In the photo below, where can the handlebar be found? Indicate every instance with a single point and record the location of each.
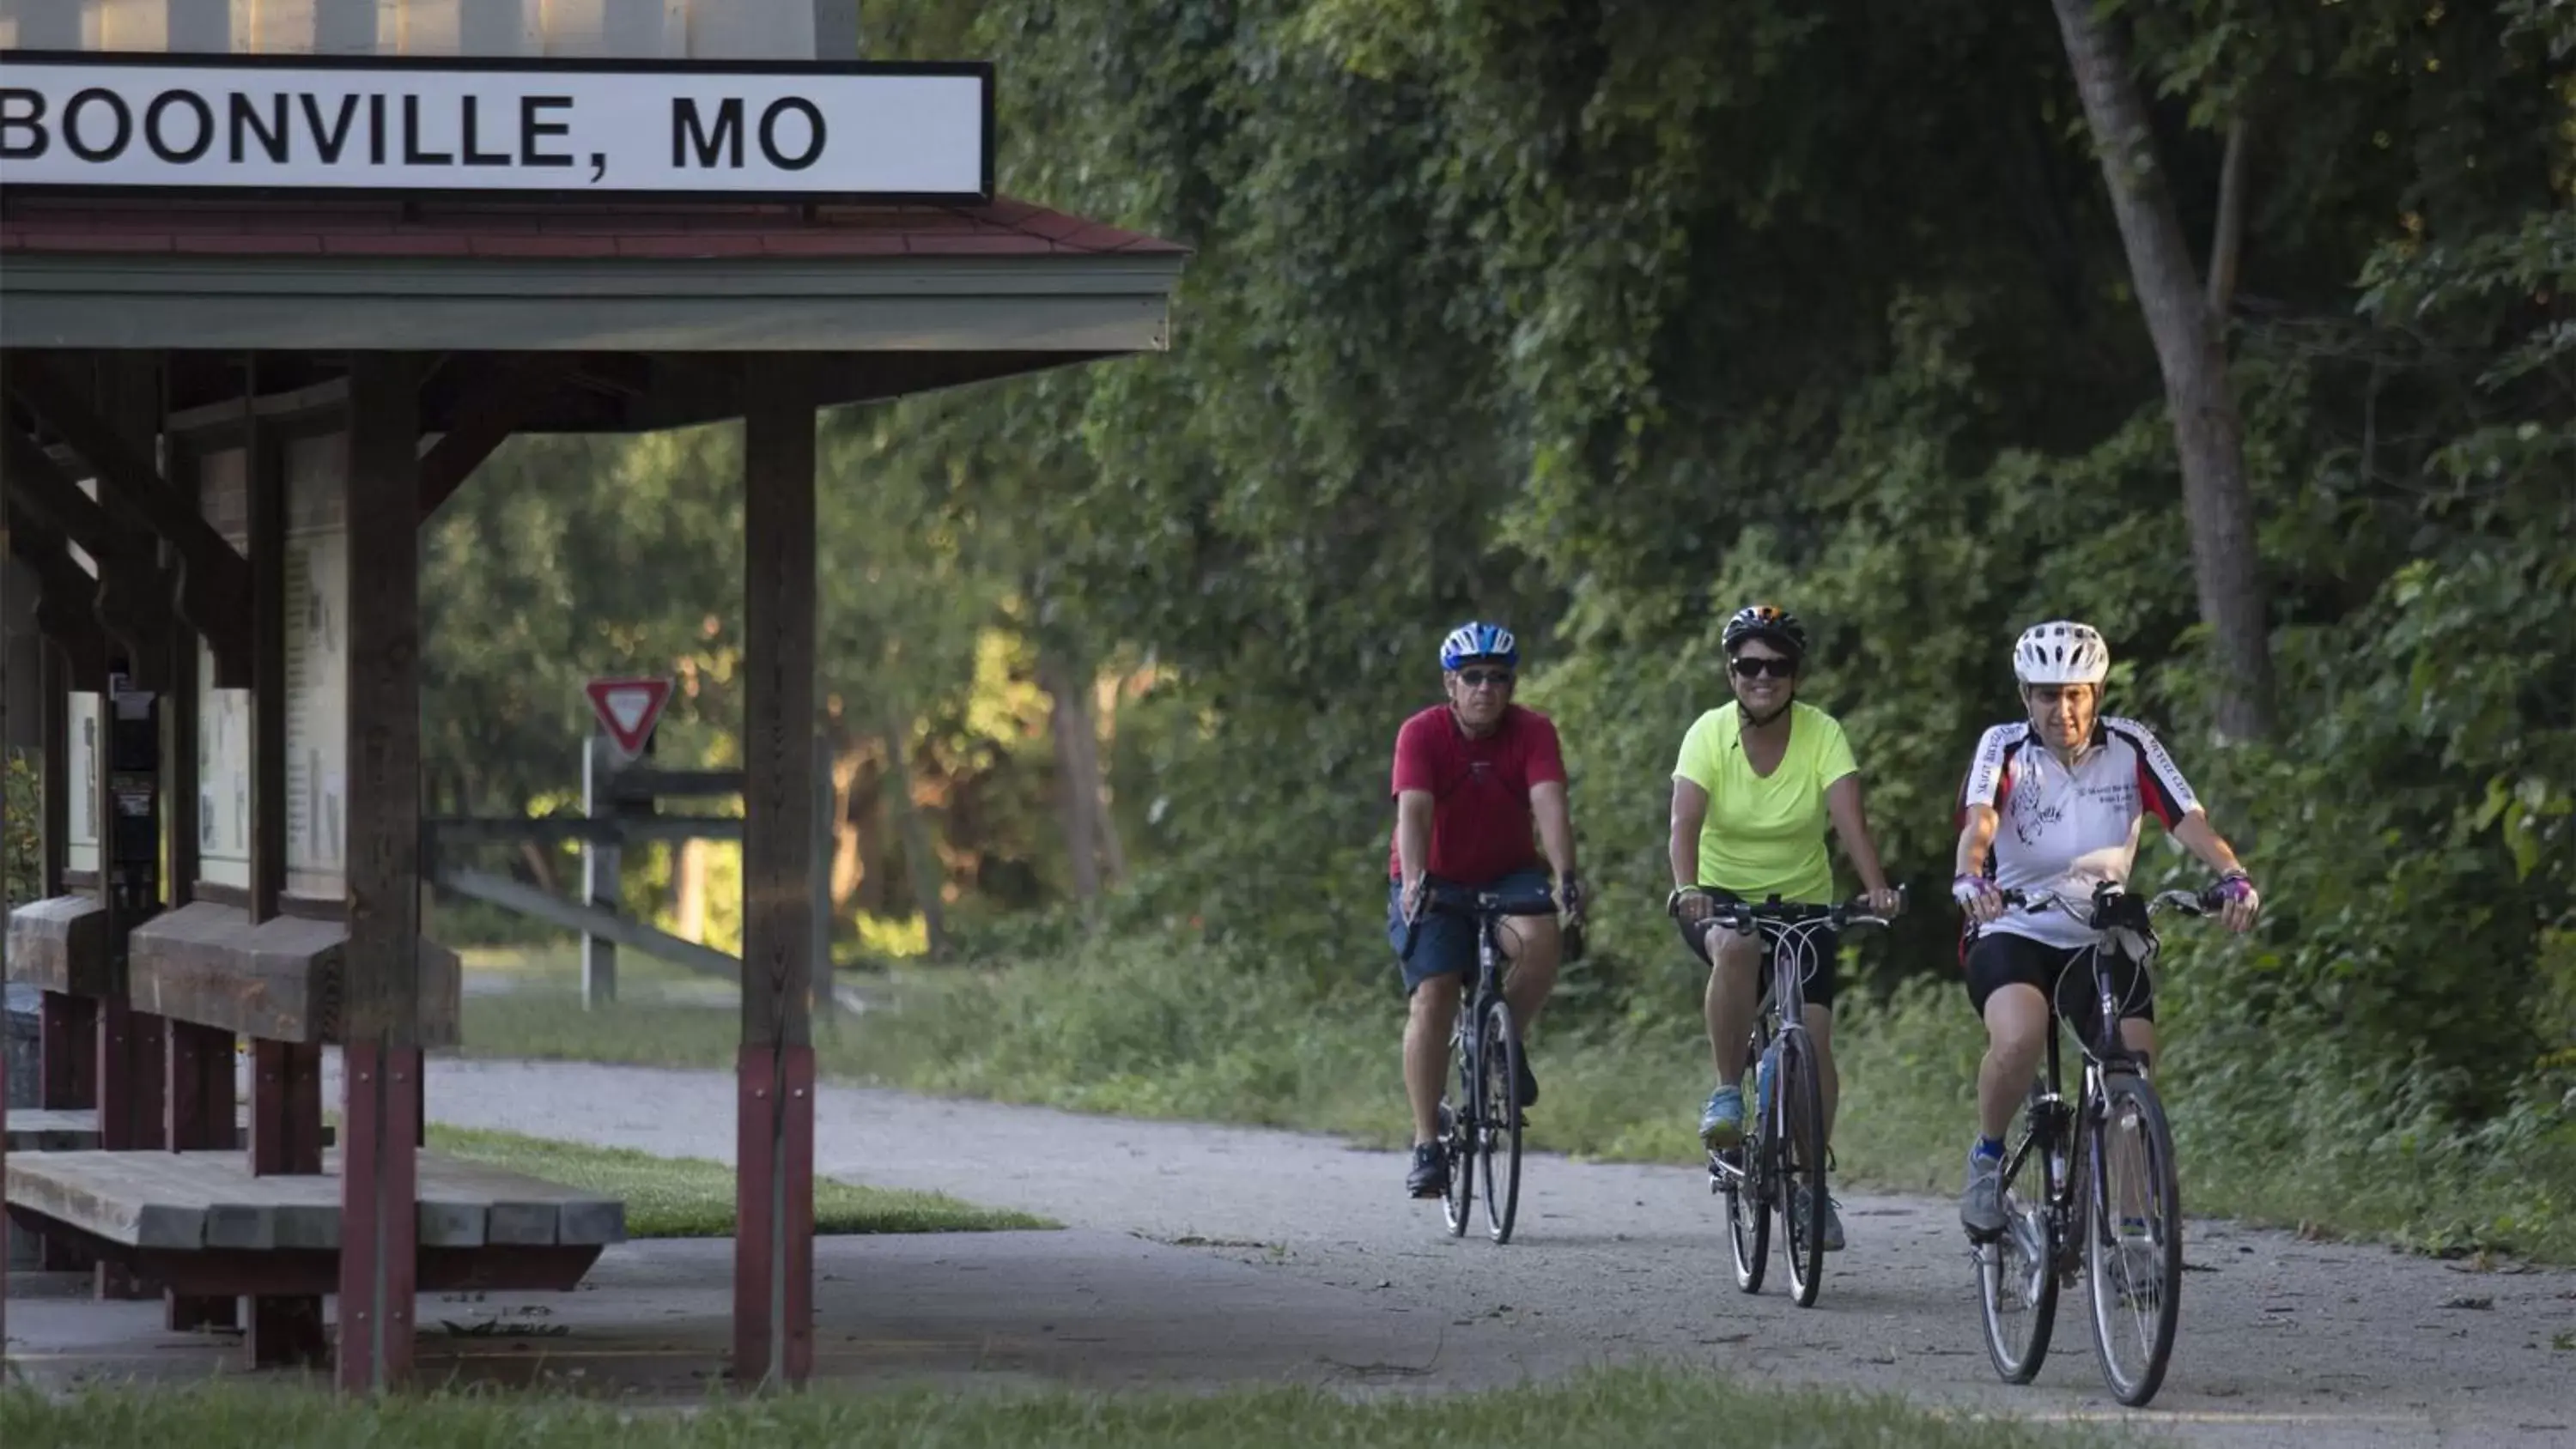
(1458, 901)
(1477, 906)
(1742, 916)
(2109, 897)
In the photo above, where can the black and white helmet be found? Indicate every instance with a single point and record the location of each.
(2061, 652)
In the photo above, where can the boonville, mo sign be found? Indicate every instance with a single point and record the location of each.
(806, 131)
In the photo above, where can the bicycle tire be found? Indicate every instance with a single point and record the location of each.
(1457, 1204)
(1800, 1161)
(1499, 1057)
(2123, 1093)
(1748, 1200)
(2004, 1261)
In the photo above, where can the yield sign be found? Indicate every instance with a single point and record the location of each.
(627, 709)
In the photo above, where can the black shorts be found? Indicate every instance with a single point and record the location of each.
(1821, 983)
(1999, 958)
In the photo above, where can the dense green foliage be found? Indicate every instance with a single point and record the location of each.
(21, 829)
(1605, 319)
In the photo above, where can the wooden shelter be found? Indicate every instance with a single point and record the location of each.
(237, 383)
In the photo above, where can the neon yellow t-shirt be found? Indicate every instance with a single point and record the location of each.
(1766, 834)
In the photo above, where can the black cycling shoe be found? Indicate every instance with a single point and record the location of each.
(1528, 1085)
(1430, 1174)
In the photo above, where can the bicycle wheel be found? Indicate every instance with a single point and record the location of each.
(2017, 1271)
(1748, 1196)
(1461, 1117)
(1800, 1158)
(1498, 1056)
(2133, 1245)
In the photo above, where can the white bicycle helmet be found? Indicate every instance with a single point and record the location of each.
(1476, 640)
(2061, 652)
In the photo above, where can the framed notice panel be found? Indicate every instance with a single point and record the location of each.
(317, 667)
(80, 824)
(223, 715)
(794, 131)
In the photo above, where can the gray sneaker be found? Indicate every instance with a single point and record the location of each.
(1981, 1207)
(1833, 1218)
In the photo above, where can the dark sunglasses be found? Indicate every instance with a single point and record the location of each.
(1750, 666)
(1478, 678)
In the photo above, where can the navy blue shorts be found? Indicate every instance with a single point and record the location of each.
(1446, 943)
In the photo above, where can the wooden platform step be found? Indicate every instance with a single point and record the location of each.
(193, 1201)
(75, 1129)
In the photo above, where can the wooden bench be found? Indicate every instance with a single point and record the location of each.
(278, 984)
(203, 1223)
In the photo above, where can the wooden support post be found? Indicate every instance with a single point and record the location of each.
(130, 806)
(67, 1077)
(264, 467)
(601, 863)
(67, 1026)
(286, 1139)
(197, 1062)
(773, 1328)
(286, 1077)
(199, 1119)
(379, 1185)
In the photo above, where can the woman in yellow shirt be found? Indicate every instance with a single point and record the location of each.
(1756, 782)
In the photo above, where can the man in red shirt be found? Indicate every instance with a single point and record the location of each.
(1479, 792)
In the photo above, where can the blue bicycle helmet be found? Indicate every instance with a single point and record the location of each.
(1479, 641)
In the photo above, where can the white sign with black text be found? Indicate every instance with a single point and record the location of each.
(782, 129)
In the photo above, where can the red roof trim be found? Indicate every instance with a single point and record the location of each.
(59, 226)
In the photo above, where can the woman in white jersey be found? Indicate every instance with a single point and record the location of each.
(2058, 800)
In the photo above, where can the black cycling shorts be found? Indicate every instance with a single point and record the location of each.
(1821, 983)
(2000, 958)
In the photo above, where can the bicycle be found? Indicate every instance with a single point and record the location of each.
(1781, 1162)
(2132, 1261)
(1483, 1129)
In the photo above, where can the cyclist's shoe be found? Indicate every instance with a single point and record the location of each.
(1721, 1124)
(1430, 1174)
(1981, 1207)
(1833, 1218)
(1528, 1084)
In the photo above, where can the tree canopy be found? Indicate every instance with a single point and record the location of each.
(1605, 319)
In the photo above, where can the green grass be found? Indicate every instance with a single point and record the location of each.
(1136, 1030)
(690, 1197)
(1633, 1406)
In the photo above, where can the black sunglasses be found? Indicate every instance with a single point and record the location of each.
(1477, 678)
(1754, 666)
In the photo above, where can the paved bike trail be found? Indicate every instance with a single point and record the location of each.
(2282, 1339)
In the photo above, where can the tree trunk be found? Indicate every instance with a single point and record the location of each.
(2208, 435)
(921, 861)
(1077, 770)
(689, 892)
(1113, 851)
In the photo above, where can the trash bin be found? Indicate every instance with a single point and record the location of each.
(18, 1043)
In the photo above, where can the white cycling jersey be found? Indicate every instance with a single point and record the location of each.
(2063, 829)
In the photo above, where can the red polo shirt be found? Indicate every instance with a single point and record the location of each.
(1481, 824)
